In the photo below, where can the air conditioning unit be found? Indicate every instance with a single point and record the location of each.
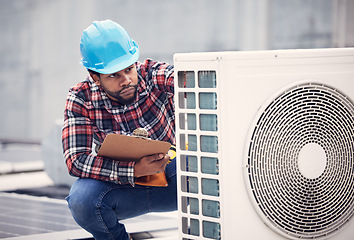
(265, 144)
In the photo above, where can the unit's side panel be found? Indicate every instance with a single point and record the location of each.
(198, 152)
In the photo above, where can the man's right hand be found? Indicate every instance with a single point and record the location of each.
(150, 165)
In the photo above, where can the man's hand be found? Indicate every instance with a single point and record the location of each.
(149, 165)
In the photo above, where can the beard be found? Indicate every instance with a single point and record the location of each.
(119, 95)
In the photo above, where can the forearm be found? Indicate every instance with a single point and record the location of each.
(105, 169)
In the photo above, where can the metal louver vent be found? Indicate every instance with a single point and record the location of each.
(300, 162)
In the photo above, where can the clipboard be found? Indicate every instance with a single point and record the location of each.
(129, 148)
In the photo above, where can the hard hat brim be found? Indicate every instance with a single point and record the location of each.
(117, 65)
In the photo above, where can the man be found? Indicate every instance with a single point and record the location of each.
(119, 96)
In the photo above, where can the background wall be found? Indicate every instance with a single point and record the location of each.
(39, 43)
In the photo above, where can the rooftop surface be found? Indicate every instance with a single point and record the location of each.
(34, 207)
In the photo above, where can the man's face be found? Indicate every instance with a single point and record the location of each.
(120, 86)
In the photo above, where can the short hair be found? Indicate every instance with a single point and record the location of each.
(93, 72)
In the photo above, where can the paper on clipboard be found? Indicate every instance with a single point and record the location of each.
(128, 148)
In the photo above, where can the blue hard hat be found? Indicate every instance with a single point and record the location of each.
(107, 48)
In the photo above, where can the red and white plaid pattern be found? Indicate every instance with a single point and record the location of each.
(90, 115)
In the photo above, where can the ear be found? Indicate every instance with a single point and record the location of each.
(96, 79)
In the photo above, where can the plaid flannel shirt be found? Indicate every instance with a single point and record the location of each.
(90, 115)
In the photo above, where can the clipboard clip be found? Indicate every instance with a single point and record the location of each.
(141, 133)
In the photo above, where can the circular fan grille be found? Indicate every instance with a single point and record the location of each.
(292, 203)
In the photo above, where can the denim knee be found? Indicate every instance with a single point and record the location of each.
(82, 208)
(86, 204)
(84, 200)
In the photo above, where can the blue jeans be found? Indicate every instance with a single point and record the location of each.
(98, 206)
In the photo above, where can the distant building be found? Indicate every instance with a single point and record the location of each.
(40, 42)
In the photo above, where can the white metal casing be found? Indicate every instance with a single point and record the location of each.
(246, 84)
